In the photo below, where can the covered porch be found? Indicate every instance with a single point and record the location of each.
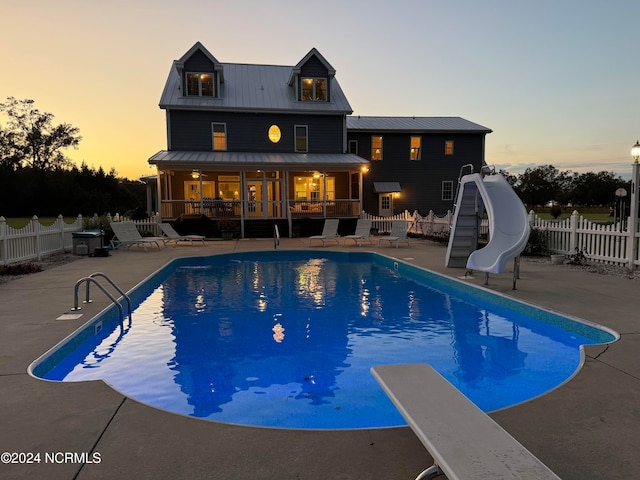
(247, 187)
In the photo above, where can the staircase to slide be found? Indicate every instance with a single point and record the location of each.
(466, 226)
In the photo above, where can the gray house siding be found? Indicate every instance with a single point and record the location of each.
(420, 180)
(247, 132)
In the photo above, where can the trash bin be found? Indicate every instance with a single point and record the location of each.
(86, 242)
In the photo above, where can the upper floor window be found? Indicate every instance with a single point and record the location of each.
(200, 84)
(376, 148)
(219, 136)
(353, 147)
(447, 190)
(416, 148)
(448, 147)
(314, 89)
(301, 133)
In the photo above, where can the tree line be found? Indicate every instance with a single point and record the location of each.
(37, 178)
(540, 185)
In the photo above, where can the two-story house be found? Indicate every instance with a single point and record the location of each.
(261, 145)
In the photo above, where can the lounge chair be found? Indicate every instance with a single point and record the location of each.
(398, 234)
(173, 236)
(329, 232)
(362, 233)
(127, 235)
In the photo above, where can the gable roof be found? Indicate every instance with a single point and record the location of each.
(179, 64)
(252, 87)
(415, 124)
(295, 71)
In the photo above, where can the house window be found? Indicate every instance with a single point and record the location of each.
(385, 202)
(416, 148)
(312, 187)
(229, 187)
(447, 190)
(219, 136)
(376, 148)
(314, 90)
(353, 147)
(274, 133)
(301, 138)
(200, 84)
(448, 147)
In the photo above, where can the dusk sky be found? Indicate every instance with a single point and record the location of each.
(558, 81)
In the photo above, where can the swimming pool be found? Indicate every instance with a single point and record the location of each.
(286, 339)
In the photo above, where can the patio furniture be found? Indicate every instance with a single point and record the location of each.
(362, 234)
(173, 236)
(463, 440)
(329, 232)
(127, 235)
(398, 234)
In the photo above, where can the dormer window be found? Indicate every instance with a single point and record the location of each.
(314, 89)
(200, 85)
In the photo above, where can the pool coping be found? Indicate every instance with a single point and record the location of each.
(588, 427)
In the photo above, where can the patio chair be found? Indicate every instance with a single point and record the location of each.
(173, 236)
(362, 234)
(398, 234)
(329, 232)
(127, 235)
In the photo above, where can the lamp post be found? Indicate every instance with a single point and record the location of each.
(632, 225)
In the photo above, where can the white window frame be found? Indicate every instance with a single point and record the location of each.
(213, 140)
(306, 138)
(373, 156)
(449, 189)
(314, 95)
(199, 74)
(413, 153)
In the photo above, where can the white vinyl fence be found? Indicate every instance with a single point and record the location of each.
(34, 241)
(603, 243)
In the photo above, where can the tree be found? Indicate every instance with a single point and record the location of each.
(596, 188)
(32, 139)
(536, 186)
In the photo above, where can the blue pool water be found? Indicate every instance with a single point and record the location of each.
(286, 339)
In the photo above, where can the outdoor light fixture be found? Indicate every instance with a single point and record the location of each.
(635, 152)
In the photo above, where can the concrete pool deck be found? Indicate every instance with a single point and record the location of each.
(588, 428)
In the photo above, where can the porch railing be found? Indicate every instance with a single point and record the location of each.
(171, 209)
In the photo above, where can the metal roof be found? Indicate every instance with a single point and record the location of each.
(417, 124)
(253, 87)
(386, 187)
(186, 159)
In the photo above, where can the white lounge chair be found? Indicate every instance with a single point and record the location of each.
(127, 234)
(362, 234)
(329, 232)
(173, 236)
(398, 234)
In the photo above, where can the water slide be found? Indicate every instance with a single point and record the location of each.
(508, 224)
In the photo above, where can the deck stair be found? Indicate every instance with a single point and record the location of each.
(465, 228)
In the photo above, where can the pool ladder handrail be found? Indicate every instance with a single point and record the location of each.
(91, 278)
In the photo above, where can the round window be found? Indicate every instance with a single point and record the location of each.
(274, 133)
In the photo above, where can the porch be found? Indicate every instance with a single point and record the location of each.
(269, 188)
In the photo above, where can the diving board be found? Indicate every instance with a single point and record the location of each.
(465, 442)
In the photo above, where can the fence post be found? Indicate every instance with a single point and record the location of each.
(3, 240)
(60, 227)
(573, 243)
(35, 223)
